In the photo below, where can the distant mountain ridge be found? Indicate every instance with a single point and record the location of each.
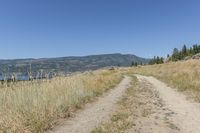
(68, 64)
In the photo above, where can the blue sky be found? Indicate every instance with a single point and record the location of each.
(54, 28)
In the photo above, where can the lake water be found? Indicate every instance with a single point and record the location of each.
(23, 77)
(20, 77)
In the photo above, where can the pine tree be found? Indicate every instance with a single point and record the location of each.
(156, 60)
(161, 60)
(191, 52)
(184, 51)
(168, 55)
(175, 55)
(134, 63)
(195, 49)
(198, 47)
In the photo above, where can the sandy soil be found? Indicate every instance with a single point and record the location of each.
(94, 113)
(164, 110)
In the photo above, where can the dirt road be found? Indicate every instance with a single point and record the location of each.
(95, 113)
(157, 108)
(169, 110)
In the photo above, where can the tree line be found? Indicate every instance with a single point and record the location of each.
(184, 52)
(177, 54)
(156, 60)
(135, 63)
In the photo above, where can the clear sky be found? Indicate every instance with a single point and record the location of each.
(53, 28)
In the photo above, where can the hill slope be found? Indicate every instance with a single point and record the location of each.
(68, 64)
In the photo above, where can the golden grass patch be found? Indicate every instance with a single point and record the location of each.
(183, 75)
(35, 106)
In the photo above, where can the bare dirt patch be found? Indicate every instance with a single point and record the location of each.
(140, 110)
(152, 114)
(174, 114)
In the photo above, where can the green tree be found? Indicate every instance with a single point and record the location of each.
(134, 63)
(156, 60)
(184, 51)
(191, 51)
(168, 55)
(195, 49)
(175, 55)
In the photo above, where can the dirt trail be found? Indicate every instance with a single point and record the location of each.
(94, 113)
(170, 111)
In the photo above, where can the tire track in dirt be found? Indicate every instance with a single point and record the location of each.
(179, 114)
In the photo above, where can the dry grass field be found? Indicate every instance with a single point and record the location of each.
(183, 75)
(37, 105)
(142, 100)
(34, 106)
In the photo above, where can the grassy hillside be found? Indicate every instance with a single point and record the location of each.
(35, 106)
(68, 64)
(183, 75)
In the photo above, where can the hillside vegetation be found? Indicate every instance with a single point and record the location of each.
(183, 75)
(36, 105)
(68, 64)
(185, 52)
(178, 54)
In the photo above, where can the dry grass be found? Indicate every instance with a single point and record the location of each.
(123, 118)
(35, 106)
(184, 75)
